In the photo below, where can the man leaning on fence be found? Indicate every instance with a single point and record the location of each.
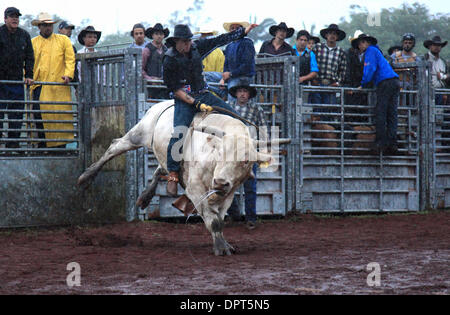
(378, 70)
(55, 62)
(16, 60)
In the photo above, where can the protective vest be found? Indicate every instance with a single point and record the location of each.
(190, 67)
(305, 64)
(153, 68)
(402, 76)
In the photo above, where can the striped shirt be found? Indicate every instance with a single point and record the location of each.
(255, 114)
(332, 62)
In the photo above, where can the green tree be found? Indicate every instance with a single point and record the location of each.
(192, 16)
(394, 22)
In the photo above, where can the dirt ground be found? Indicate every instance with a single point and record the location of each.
(303, 254)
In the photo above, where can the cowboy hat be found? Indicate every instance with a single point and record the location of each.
(206, 31)
(88, 29)
(355, 41)
(315, 39)
(355, 36)
(436, 40)
(158, 27)
(243, 84)
(180, 31)
(333, 27)
(282, 26)
(227, 25)
(43, 18)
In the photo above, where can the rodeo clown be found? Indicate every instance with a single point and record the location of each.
(182, 73)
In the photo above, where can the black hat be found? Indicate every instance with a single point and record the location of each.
(12, 11)
(304, 33)
(372, 40)
(436, 40)
(243, 84)
(333, 27)
(64, 24)
(139, 25)
(391, 49)
(158, 27)
(282, 26)
(315, 39)
(181, 31)
(89, 29)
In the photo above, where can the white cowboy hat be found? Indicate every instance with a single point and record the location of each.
(355, 36)
(43, 17)
(227, 25)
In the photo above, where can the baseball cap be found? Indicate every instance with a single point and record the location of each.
(65, 24)
(11, 11)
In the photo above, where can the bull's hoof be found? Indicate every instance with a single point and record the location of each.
(222, 248)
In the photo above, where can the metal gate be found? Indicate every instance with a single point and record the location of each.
(270, 81)
(338, 172)
(440, 151)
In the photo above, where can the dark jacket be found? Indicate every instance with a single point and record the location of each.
(240, 58)
(355, 68)
(16, 54)
(180, 71)
(285, 50)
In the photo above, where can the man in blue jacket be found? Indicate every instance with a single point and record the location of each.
(378, 70)
(239, 59)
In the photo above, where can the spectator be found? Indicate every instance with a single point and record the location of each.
(247, 109)
(55, 62)
(213, 65)
(391, 51)
(439, 71)
(406, 54)
(308, 62)
(239, 58)
(277, 46)
(332, 63)
(184, 78)
(89, 37)
(355, 69)
(65, 28)
(407, 79)
(138, 34)
(152, 59)
(378, 70)
(313, 40)
(16, 61)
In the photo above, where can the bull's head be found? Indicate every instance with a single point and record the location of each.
(236, 156)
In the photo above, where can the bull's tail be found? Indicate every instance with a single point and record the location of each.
(147, 195)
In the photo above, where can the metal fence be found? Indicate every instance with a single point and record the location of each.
(34, 128)
(328, 167)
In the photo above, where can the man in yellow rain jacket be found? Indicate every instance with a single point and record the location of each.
(54, 62)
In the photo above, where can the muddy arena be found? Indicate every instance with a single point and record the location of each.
(296, 255)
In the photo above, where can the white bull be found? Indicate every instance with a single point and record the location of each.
(219, 163)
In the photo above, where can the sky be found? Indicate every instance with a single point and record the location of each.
(113, 16)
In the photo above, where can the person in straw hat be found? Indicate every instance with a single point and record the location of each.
(239, 58)
(277, 46)
(55, 62)
(439, 70)
(213, 64)
(183, 75)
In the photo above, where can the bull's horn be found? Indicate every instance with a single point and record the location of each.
(210, 130)
(273, 142)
